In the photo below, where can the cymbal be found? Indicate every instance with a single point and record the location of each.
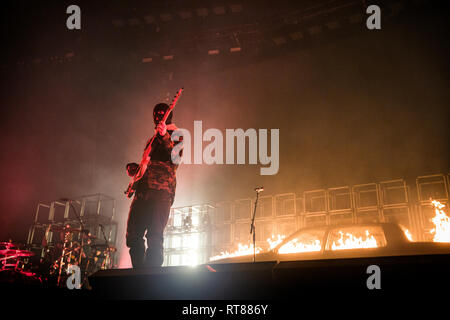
(16, 253)
(8, 245)
(8, 252)
(24, 253)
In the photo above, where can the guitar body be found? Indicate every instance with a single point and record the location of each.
(146, 156)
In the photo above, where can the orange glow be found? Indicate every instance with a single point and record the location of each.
(408, 234)
(441, 221)
(353, 237)
(352, 242)
(275, 241)
(243, 250)
(294, 246)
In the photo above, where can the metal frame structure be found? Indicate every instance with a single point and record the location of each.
(315, 207)
(396, 205)
(366, 203)
(188, 235)
(337, 211)
(102, 215)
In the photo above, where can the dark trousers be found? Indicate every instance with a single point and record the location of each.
(148, 215)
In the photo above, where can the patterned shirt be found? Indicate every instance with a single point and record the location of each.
(161, 172)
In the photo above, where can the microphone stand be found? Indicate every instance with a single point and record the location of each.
(252, 227)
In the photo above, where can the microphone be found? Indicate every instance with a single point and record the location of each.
(259, 189)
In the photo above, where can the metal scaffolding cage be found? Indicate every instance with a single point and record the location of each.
(340, 205)
(188, 235)
(96, 213)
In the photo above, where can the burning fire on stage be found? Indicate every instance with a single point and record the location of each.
(218, 150)
(353, 238)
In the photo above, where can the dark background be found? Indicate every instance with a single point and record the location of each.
(352, 105)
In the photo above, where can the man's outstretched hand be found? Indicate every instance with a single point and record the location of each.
(162, 128)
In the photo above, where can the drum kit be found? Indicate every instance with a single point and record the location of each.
(51, 263)
(15, 263)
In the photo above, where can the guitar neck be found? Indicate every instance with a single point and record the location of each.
(172, 105)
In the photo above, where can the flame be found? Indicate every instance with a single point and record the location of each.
(273, 243)
(408, 234)
(442, 223)
(348, 241)
(243, 250)
(352, 242)
(294, 246)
